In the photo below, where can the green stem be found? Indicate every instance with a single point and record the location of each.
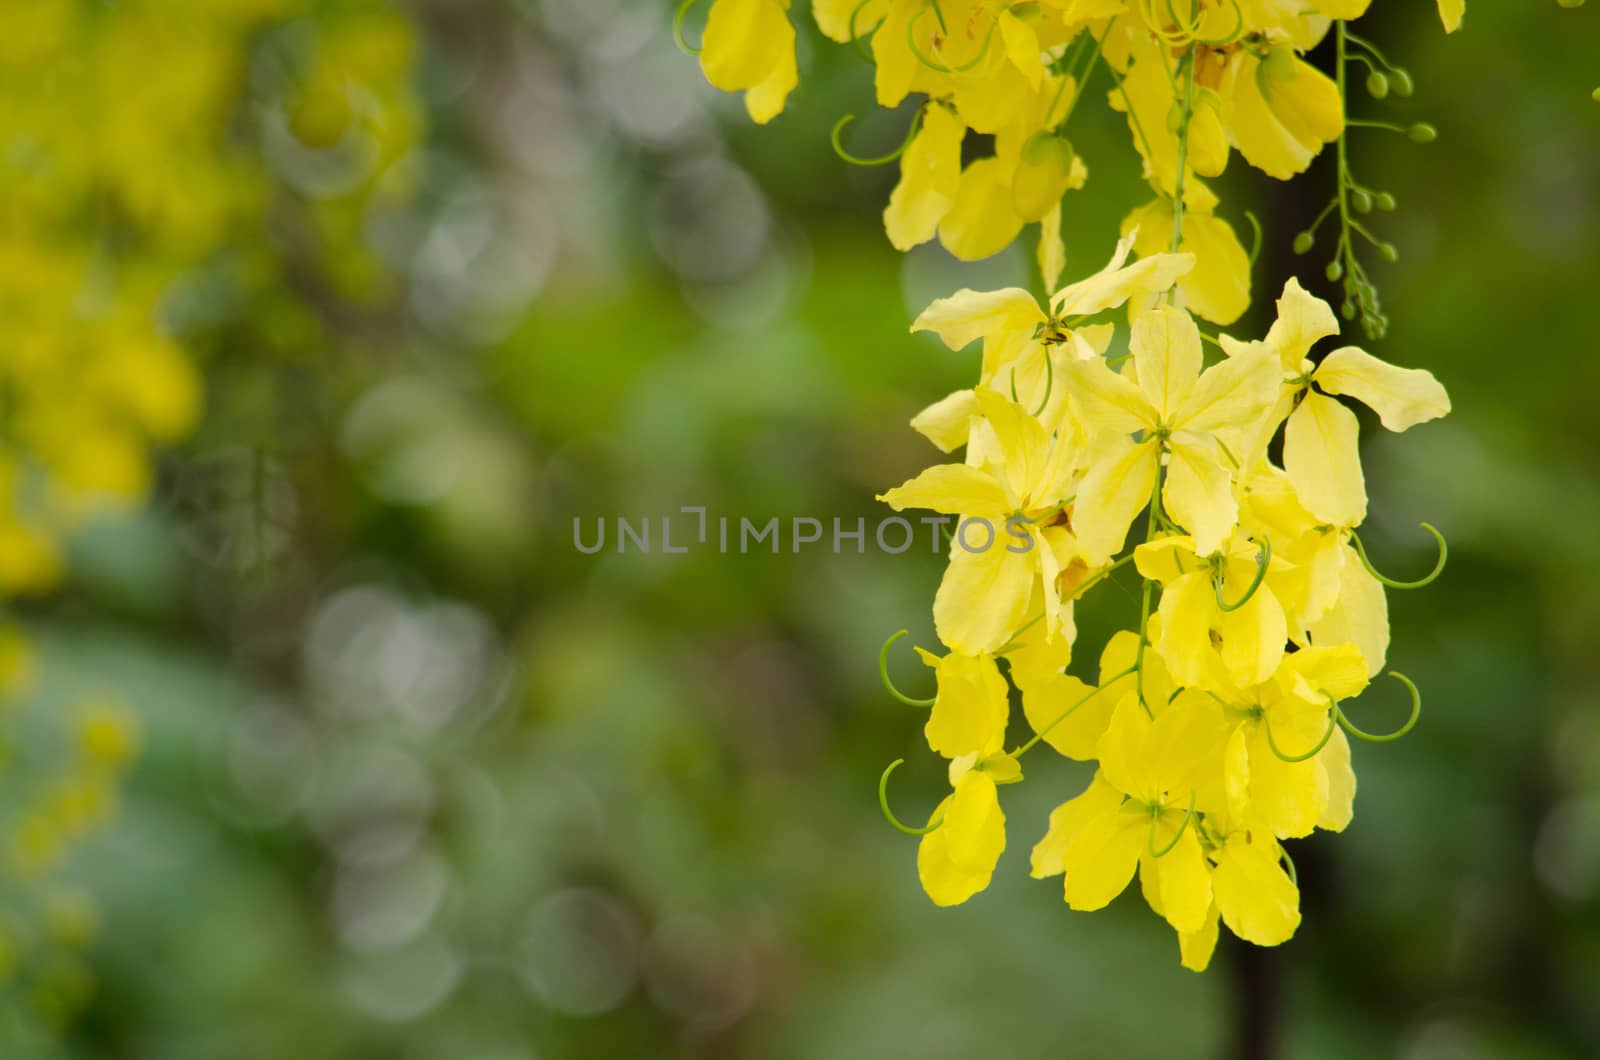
(1183, 150)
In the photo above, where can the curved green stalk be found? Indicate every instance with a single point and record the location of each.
(1150, 842)
(1263, 561)
(1428, 579)
(856, 160)
(883, 672)
(1416, 712)
(883, 804)
(1333, 720)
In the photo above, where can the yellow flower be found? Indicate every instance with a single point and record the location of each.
(1173, 411)
(1048, 694)
(1203, 644)
(1321, 441)
(749, 47)
(1451, 12)
(930, 172)
(1289, 717)
(971, 707)
(956, 860)
(1251, 892)
(1141, 812)
(1218, 287)
(1000, 551)
(1279, 111)
(1019, 336)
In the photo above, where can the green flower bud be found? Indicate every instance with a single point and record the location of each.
(1303, 243)
(1401, 82)
(1377, 85)
(1388, 252)
(1361, 201)
(1384, 200)
(1422, 133)
(1334, 271)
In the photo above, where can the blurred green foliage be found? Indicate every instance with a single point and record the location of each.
(421, 780)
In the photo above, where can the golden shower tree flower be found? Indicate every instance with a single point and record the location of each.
(1175, 416)
(1320, 448)
(749, 47)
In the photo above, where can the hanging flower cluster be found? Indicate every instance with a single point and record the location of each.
(1219, 722)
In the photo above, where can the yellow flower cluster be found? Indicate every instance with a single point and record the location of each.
(1218, 722)
(1196, 79)
(125, 167)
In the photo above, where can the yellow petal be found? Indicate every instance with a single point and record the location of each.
(930, 172)
(1402, 397)
(1451, 12)
(1255, 897)
(1166, 352)
(1116, 283)
(968, 315)
(1361, 616)
(843, 20)
(1339, 670)
(1287, 796)
(984, 594)
(954, 489)
(974, 827)
(1280, 135)
(1183, 878)
(1115, 489)
(765, 101)
(1302, 320)
(1253, 638)
(1195, 948)
(1100, 860)
(744, 42)
(1231, 396)
(945, 879)
(982, 220)
(1219, 286)
(971, 708)
(1105, 402)
(1188, 609)
(1023, 445)
(1335, 761)
(1052, 253)
(1199, 491)
(1045, 698)
(1321, 453)
(946, 422)
(1067, 820)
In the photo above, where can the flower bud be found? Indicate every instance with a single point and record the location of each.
(1377, 85)
(1384, 200)
(1401, 82)
(1422, 133)
(1388, 252)
(1361, 201)
(1303, 243)
(1334, 271)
